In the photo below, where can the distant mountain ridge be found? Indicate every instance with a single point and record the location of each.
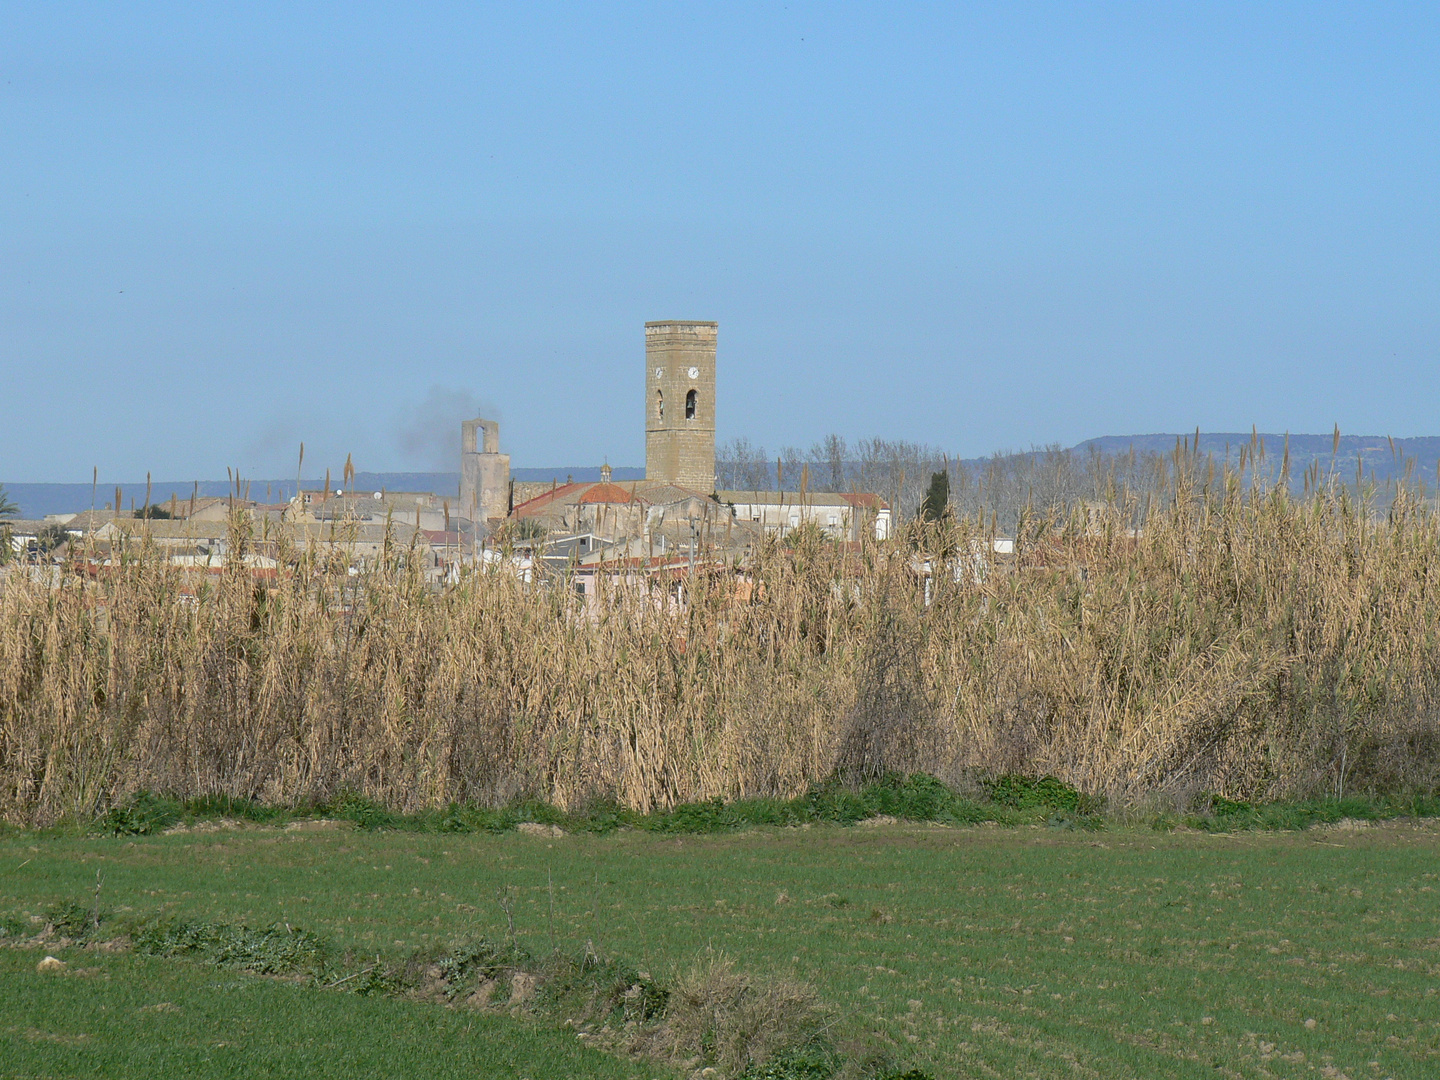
(1382, 457)
(1211, 442)
(37, 500)
(1419, 454)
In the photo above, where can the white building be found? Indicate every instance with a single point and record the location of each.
(842, 516)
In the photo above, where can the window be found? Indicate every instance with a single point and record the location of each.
(690, 405)
(660, 404)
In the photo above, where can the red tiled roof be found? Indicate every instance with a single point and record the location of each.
(606, 493)
(541, 502)
(646, 492)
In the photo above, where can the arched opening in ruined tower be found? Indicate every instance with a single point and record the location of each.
(690, 405)
(660, 404)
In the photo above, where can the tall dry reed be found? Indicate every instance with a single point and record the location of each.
(1244, 642)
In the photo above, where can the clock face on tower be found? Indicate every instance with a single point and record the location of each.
(694, 373)
(659, 373)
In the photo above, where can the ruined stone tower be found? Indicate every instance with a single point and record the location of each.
(680, 403)
(484, 472)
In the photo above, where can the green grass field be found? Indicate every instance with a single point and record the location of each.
(132, 1016)
(979, 951)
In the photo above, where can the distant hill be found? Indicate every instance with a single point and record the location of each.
(37, 500)
(1420, 455)
(1380, 459)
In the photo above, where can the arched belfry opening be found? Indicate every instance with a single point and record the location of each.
(690, 405)
(659, 404)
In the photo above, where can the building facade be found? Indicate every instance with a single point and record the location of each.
(849, 516)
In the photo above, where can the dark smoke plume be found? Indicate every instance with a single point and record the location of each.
(428, 433)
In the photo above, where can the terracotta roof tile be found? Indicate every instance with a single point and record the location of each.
(606, 493)
(541, 502)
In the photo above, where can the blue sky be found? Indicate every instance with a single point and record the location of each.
(228, 228)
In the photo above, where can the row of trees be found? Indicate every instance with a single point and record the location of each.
(919, 479)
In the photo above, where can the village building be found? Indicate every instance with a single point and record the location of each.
(598, 528)
(24, 534)
(615, 512)
(840, 516)
(676, 503)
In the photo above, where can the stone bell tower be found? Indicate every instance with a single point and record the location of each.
(680, 403)
(484, 472)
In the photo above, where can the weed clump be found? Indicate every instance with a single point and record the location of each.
(74, 920)
(747, 1026)
(12, 927)
(1008, 799)
(240, 808)
(1221, 814)
(590, 989)
(271, 950)
(143, 814)
(740, 1022)
(483, 959)
(1046, 793)
(806, 1063)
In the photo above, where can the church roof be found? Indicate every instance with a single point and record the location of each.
(645, 492)
(563, 495)
(606, 493)
(661, 492)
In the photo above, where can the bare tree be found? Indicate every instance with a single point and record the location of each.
(829, 464)
(1043, 482)
(739, 466)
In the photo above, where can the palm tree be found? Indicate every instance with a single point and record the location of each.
(7, 509)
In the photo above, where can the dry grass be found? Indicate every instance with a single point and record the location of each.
(1246, 642)
(720, 1013)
